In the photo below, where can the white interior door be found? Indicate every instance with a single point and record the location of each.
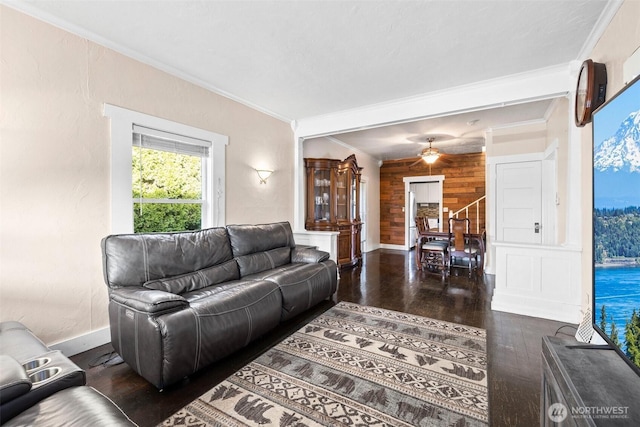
(519, 202)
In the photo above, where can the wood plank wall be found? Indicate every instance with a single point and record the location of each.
(464, 182)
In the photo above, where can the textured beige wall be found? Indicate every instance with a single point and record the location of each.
(526, 138)
(54, 166)
(619, 41)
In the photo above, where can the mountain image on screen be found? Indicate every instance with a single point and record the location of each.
(616, 225)
(616, 164)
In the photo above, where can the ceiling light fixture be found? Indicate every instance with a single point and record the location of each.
(430, 155)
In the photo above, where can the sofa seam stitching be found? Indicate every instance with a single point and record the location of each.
(299, 281)
(250, 326)
(196, 361)
(239, 308)
(145, 260)
(273, 264)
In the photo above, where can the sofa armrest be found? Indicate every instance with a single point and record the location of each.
(17, 341)
(14, 380)
(308, 254)
(147, 300)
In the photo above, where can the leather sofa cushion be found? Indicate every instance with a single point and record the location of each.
(231, 315)
(261, 261)
(133, 259)
(230, 296)
(76, 406)
(196, 280)
(248, 239)
(302, 285)
(14, 380)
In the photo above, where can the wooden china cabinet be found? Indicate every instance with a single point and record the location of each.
(333, 204)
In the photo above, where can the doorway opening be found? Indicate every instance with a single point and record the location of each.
(424, 198)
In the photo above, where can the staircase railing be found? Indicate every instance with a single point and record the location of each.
(466, 209)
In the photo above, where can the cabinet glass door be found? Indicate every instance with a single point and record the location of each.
(354, 207)
(322, 195)
(341, 184)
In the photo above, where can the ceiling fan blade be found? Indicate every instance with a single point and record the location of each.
(444, 159)
(415, 163)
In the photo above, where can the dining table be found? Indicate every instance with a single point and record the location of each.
(427, 235)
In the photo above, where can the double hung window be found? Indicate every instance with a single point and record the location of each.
(169, 181)
(165, 176)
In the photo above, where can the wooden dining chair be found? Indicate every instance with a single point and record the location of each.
(431, 254)
(463, 253)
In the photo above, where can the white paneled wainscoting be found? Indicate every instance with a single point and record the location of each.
(324, 240)
(538, 280)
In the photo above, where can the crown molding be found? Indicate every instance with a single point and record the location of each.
(392, 112)
(37, 13)
(544, 83)
(536, 124)
(607, 14)
(349, 147)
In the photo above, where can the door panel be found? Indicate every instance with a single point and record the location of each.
(518, 202)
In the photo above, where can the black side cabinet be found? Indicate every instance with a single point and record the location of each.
(586, 386)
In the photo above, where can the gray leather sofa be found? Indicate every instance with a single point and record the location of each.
(180, 301)
(41, 387)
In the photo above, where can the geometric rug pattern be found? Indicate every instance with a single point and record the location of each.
(356, 365)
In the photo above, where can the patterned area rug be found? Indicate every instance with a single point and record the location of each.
(356, 366)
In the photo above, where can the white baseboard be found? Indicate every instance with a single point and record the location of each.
(82, 343)
(552, 310)
(371, 248)
(396, 247)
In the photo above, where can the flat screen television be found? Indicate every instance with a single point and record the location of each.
(616, 222)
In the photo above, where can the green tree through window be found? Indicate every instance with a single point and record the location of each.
(167, 190)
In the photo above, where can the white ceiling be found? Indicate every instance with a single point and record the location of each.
(297, 59)
(452, 134)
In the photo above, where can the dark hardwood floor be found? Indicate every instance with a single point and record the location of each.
(387, 279)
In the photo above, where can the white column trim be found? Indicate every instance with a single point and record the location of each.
(299, 178)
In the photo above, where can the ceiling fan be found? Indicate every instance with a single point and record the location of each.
(428, 155)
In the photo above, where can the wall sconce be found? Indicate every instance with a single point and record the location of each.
(264, 174)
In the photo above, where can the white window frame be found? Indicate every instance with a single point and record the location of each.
(122, 122)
